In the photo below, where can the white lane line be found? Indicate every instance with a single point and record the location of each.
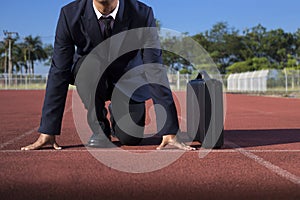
(5, 144)
(277, 170)
(145, 151)
(2, 146)
(252, 150)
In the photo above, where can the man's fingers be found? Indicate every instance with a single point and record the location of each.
(187, 147)
(175, 143)
(162, 145)
(26, 148)
(42, 141)
(182, 146)
(36, 147)
(31, 147)
(56, 146)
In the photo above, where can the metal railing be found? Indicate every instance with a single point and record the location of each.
(276, 82)
(22, 82)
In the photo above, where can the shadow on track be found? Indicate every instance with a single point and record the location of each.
(256, 138)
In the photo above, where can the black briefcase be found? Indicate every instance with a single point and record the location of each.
(205, 122)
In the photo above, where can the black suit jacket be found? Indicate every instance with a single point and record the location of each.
(77, 34)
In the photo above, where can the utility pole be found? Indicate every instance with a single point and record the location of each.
(10, 39)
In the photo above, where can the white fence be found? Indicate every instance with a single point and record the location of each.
(249, 82)
(265, 81)
(20, 82)
(179, 81)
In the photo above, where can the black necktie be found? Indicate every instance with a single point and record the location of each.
(107, 26)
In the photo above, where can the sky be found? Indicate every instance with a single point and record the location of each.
(39, 17)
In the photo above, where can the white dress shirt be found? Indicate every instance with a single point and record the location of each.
(113, 14)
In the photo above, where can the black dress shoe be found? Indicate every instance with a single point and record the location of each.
(100, 141)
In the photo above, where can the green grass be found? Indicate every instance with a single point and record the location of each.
(37, 86)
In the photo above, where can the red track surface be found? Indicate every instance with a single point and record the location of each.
(260, 159)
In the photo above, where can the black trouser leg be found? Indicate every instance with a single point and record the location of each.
(126, 132)
(163, 96)
(93, 96)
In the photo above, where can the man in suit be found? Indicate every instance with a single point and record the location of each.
(82, 26)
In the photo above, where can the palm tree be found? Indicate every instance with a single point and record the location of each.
(19, 58)
(4, 46)
(33, 51)
(3, 57)
(49, 50)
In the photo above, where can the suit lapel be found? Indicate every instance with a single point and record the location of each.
(91, 25)
(122, 20)
(90, 21)
(121, 24)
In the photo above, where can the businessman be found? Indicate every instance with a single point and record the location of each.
(82, 26)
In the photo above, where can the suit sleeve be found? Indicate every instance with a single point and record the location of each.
(160, 94)
(58, 79)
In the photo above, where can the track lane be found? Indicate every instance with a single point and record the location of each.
(224, 174)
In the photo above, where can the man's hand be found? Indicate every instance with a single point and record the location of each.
(42, 141)
(172, 141)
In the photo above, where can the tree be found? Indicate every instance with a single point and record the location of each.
(33, 51)
(254, 42)
(250, 64)
(292, 62)
(240, 67)
(158, 24)
(261, 63)
(202, 40)
(3, 57)
(297, 43)
(21, 58)
(224, 45)
(256, 48)
(171, 57)
(24, 54)
(4, 53)
(49, 51)
(278, 45)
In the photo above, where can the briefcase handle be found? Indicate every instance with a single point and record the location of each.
(203, 75)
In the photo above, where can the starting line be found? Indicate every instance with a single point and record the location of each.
(145, 151)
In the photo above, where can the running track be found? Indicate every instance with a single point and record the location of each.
(260, 159)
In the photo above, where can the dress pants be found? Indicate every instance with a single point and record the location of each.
(94, 102)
